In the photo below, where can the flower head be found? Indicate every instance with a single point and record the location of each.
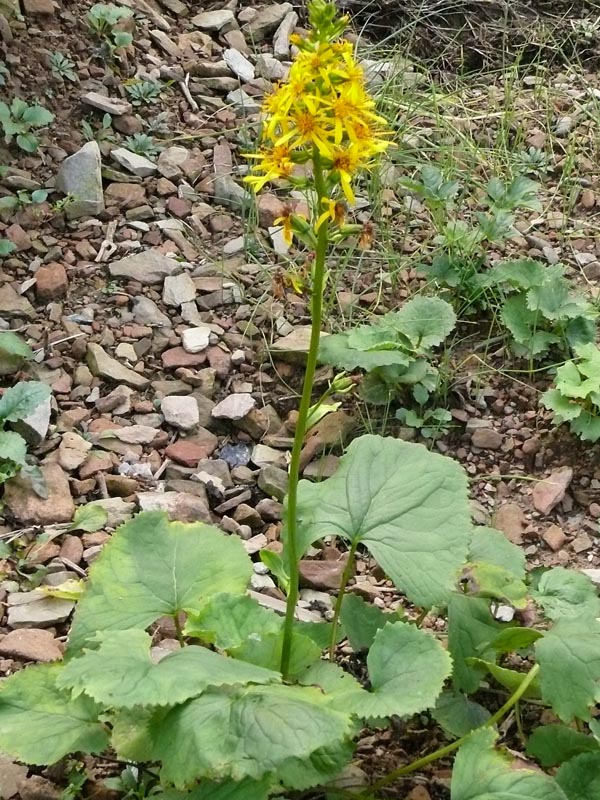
(323, 113)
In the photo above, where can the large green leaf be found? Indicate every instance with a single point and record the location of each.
(566, 593)
(492, 547)
(227, 621)
(552, 745)
(407, 669)
(471, 631)
(122, 674)
(522, 273)
(427, 321)
(579, 778)
(40, 723)
(14, 346)
(511, 679)
(247, 733)
(337, 351)
(481, 773)
(22, 399)
(489, 580)
(361, 621)
(13, 447)
(342, 689)
(408, 506)
(457, 714)
(569, 659)
(152, 568)
(265, 651)
(228, 790)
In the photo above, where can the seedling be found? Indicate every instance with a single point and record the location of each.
(19, 120)
(143, 92)
(102, 19)
(575, 398)
(142, 144)
(62, 67)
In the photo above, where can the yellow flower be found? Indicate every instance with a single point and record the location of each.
(275, 163)
(285, 220)
(335, 212)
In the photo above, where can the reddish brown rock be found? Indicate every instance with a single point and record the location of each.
(270, 207)
(125, 195)
(178, 357)
(30, 509)
(19, 237)
(509, 519)
(554, 538)
(188, 453)
(321, 574)
(179, 207)
(31, 644)
(550, 491)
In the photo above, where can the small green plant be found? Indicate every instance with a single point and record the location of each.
(104, 133)
(142, 93)
(463, 239)
(16, 404)
(541, 312)
(15, 202)
(575, 397)
(531, 162)
(395, 351)
(62, 67)
(142, 144)
(19, 120)
(102, 19)
(431, 423)
(6, 247)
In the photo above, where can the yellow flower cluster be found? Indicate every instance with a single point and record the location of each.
(322, 112)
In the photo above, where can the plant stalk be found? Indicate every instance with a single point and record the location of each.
(316, 312)
(346, 575)
(450, 748)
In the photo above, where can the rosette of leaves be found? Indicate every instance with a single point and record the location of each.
(575, 397)
(395, 351)
(19, 121)
(542, 312)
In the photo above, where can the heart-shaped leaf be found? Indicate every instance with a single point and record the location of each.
(408, 506)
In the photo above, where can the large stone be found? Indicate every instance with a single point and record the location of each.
(509, 519)
(51, 281)
(109, 105)
(73, 451)
(171, 160)
(321, 574)
(33, 644)
(13, 304)
(281, 39)
(239, 64)
(34, 427)
(132, 162)
(267, 19)
(30, 509)
(148, 267)
(102, 365)
(294, 346)
(548, 492)
(234, 407)
(214, 21)
(37, 610)
(179, 289)
(180, 411)
(146, 312)
(80, 176)
(11, 773)
(178, 505)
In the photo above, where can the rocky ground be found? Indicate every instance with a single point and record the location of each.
(160, 305)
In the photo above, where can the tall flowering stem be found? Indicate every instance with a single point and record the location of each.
(319, 130)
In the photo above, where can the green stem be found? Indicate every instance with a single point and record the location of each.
(346, 575)
(316, 309)
(450, 748)
(178, 629)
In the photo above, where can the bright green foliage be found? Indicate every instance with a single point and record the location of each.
(16, 404)
(152, 568)
(541, 312)
(90, 517)
(407, 670)
(564, 592)
(143, 92)
(395, 350)
(432, 423)
(142, 144)
(177, 677)
(482, 773)
(511, 679)
(497, 568)
(6, 247)
(361, 621)
(462, 237)
(571, 649)
(458, 715)
(228, 620)
(14, 351)
(247, 732)
(102, 19)
(62, 67)
(406, 505)
(19, 120)
(575, 397)
(41, 723)
(552, 745)
(472, 629)
(579, 778)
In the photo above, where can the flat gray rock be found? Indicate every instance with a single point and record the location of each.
(132, 162)
(146, 312)
(148, 267)
(103, 365)
(80, 176)
(236, 406)
(110, 105)
(37, 610)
